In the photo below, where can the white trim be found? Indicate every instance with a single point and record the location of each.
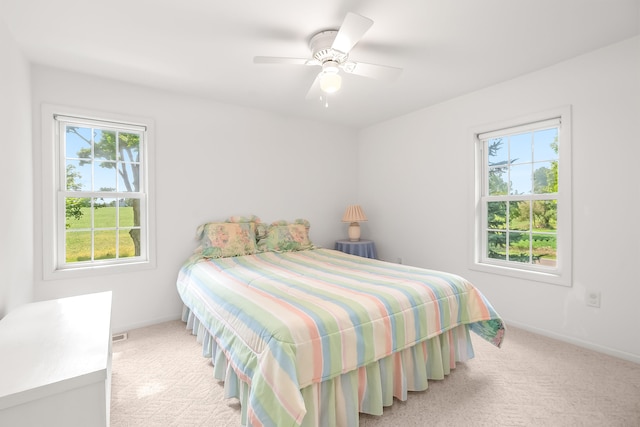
(143, 324)
(84, 120)
(50, 181)
(562, 273)
(513, 130)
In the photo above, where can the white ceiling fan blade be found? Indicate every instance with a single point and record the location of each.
(351, 31)
(280, 60)
(314, 92)
(374, 71)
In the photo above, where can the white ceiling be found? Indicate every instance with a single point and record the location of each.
(206, 47)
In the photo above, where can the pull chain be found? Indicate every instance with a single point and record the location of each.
(325, 100)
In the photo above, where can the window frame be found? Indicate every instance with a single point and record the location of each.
(562, 273)
(54, 193)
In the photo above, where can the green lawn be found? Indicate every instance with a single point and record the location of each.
(78, 243)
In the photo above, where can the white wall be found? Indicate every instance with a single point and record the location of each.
(212, 161)
(16, 207)
(415, 182)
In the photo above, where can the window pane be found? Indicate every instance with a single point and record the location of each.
(544, 249)
(77, 213)
(129, 147)
(498, 181)
(545, 178)
(519, 215)
(545, 145)
(128, 177)
(126, 207)
(498, 152)
(77, 246)
(105, 145)
(497, 215)
(545, 215)
(105, 177)
(520, 148)
(104, 213)
(127, 247)
(496, 243)
(135, 237)
(77, 142)
(520, 179)
(78, 175)
(105, 244)
(519, 247)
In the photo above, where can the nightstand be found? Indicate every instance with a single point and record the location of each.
(363, 248)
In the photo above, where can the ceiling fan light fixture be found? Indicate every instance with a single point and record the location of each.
(330, 82)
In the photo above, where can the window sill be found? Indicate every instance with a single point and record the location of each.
(555, 278)
(98, 270)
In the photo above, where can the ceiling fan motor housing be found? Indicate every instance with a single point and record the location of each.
(321, 49)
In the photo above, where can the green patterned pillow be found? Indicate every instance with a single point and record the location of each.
(226, 239)
(284, 237)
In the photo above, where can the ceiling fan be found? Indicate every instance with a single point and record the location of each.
(330, 49)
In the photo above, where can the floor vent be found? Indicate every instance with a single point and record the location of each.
(119, 337)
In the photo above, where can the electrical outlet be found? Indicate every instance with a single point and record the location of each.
(593, 299)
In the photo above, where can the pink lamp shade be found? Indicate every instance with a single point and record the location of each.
(353, 215)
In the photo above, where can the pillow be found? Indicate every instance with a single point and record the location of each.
(259, 228)
(240, 218)
(286, 237)
(226, 239)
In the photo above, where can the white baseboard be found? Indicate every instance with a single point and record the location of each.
(575, 341)
(130, 326)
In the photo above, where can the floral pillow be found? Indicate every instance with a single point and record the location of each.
(240, 218)
(226, 239)
(259, 228)
(286, 237)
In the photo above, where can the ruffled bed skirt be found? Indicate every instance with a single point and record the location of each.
(337, 402)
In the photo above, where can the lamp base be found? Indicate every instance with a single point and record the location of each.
(354, 232)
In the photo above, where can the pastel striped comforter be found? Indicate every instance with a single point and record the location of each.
(287, 320)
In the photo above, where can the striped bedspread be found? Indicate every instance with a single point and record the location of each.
(287, 320)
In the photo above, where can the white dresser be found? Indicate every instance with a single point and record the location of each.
(55, 363)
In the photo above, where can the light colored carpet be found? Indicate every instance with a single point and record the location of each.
(161, 379)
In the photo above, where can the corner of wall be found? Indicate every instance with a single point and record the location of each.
(16, 251)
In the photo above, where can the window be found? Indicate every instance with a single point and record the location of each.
(99, 201)
(523, 203)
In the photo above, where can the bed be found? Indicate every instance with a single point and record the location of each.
(308, 336)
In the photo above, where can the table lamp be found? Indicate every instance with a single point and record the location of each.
(353, 215)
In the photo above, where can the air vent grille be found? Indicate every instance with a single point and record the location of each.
(119, 337)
